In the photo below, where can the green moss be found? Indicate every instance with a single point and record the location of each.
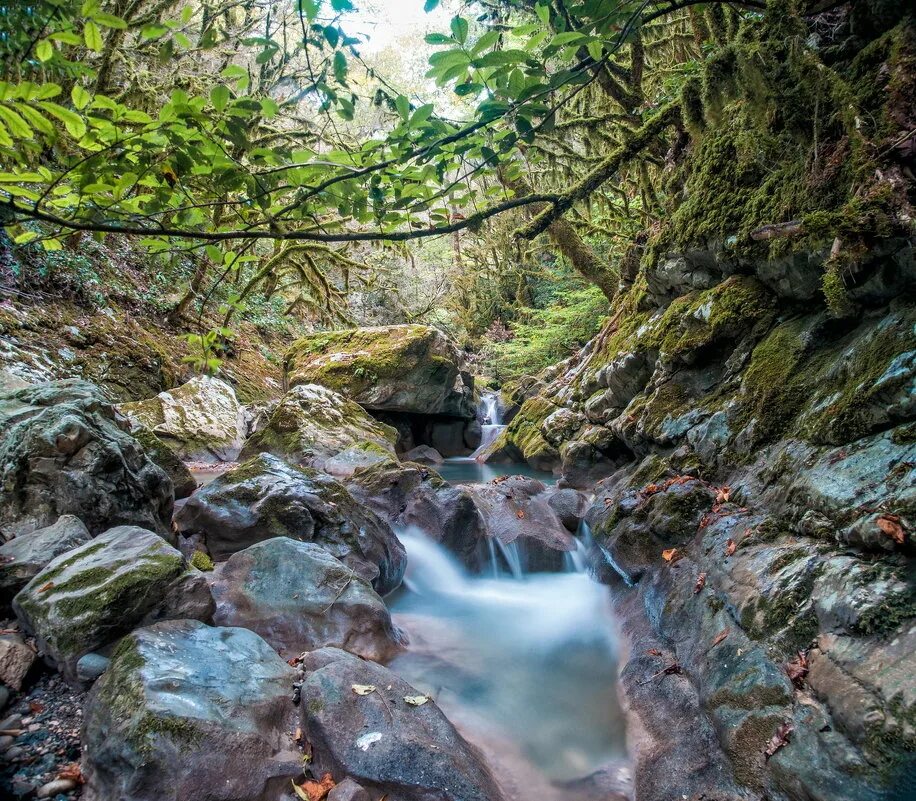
(201, 561)
(888, 616)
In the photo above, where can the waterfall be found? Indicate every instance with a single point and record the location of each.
(491, 421)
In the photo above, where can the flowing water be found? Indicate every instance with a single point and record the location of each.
(491, 425)
(518, 662)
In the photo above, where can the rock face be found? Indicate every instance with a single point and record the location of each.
(299, 598)
(516, 512)
(412, 495)
(400, 368)
(411, 753)
(87, 598)
(161, 454)
(23, 558)
(65, 450)
(311, 424)
(759, 494)
(189, 711)
(202, 421)
(265, 498)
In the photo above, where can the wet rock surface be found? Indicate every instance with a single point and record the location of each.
(89, 597)
(299, 598)
(190, 711)
(410, 752)
(65, 450)
(265, 498)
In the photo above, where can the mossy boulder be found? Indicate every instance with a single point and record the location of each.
(312, 424)
(399, 368)
(189, 711)
(65, 450)
(298, 598)
(524, 440)
(24, 557)
(161, 454)
(88, 597)
(202, 420)
(266, 497)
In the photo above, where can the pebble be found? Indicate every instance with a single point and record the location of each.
(5, 742)
(12, 754)
(11, 722)
(4, 697)
(51, 789)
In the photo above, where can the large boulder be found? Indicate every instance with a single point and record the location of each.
(398, 368)
(87, 598)
(202, 420)
(311, 424)
(413, 495)
(22, 558)
(65, 450)
(298, 598)
(189, 711)
(161, 454)
(265, 498)
(378, 738)
(516, 511)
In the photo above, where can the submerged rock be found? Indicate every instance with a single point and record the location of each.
(23, 557)
(265, 498)
(389, 746)
(188, 711)
(312, 424)
(89, 597)
(299, 598)
(399, 368)
(65, 450)
(202, 420)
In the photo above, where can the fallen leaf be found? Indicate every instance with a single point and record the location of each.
(315, 791)
(298, 735)
(730, 546)
(364, 689)
(520, 514)
(723, 494)
(719, 637)
(654, 652)
(779, 739)
(797, 669)
(416, 700)
(701, 582)
(671, 555)
(72, 772)
(890, 525)
(674, 667)
(46, 587)
(36, 707)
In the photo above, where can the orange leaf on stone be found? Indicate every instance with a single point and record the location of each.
(797, 669)
(779, 739)
(719, 637)
(520, 514)
(701, 582)
(671, 555)
(315, 791)
(723, 495)
(891, 525)
(654, 652)
(730, 546)
(72, 772)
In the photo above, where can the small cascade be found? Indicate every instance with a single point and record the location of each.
(491, 425)
(587, 543)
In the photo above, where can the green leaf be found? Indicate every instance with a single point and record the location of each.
(25, 237)
(72, 121)
(18, 127)
(109, 20)
(66, 37)
(543, 13)
(219, 96)
(80, 97)
(430, 5)
(35, 119)
(438, 39)
(402, 104)
(460, 29)
(595, 50)
(92, 36)
(44, 50)
(421, 115)
(340, 67)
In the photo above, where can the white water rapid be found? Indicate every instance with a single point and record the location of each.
(519, 662)
(491, 421)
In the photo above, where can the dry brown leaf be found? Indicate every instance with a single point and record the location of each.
(891, 525)
(416, 700)
(730, 546)
(671, 555)
(72, 772)
(315, 791)
(363, 689)
(719, 637)
(520, 514)
(701, 582)
(36, 707)
(654, 652)
(797, 669)
(46, 587)
(779, 739)
(723, 495)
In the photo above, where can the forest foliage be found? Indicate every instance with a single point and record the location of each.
(551, 151)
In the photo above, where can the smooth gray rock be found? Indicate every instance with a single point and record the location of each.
(388, 746)
(188, 711)
(423, 454)
(91, 666)
(94, 594)
(16, 659)
(299, 598)
(265, 498)
(23, 557)
(67, 451)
